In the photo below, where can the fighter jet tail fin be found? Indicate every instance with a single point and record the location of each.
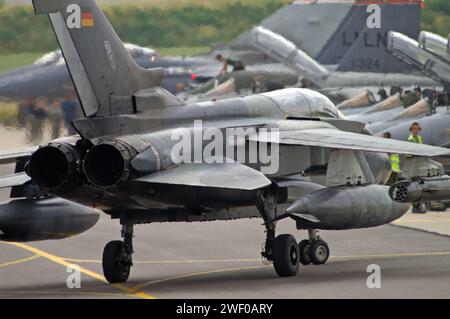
(99, 64)
(359, 43)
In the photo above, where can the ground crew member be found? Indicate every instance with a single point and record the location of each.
(69, 110)
(415, 137)
(38, 115)
(411, 98)
(236, 64)
(382, 94)
(395, 165)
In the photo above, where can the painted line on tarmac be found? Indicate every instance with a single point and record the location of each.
(19, 261)
(335, 258)
(158, 262)
(394, 255)
(87, 272)
(251, 260)
(196, 274)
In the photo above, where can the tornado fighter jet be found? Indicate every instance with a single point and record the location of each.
(48, 76)
(143, 156)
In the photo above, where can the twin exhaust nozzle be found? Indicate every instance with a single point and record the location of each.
(60, 167)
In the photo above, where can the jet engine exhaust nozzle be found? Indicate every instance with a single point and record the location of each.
(55, 167)
(108, 164)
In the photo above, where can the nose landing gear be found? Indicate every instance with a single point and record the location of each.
(286, 256)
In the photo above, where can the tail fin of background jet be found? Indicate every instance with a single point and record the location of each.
(308, 24)
(104, 74)
(336, 32)
(366, 41)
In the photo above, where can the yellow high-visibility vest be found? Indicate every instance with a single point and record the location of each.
(395, 162)
(413, 140)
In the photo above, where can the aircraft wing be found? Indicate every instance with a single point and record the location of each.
(12, 156)
(230, 176)
(14, 180)
(337, 139)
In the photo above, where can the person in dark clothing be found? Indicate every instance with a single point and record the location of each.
(382, 94)
(396, 89)
(411, 98)
(69, 110)
(55, 117)
(38, 116)
(23, 113)
(236, 64)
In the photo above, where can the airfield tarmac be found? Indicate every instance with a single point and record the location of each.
(221, 260)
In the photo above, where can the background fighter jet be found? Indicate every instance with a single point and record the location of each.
(428, 55)
(48, 76)
(338, 33)
(124, 159)
(333, 32)
(337, 85)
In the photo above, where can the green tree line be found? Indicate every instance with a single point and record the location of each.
(193, 25)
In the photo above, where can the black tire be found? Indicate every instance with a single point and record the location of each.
(115, 269)
(319, 252)
(303, 247)
(286, 256)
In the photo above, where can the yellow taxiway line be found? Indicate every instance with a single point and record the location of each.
(196, 274)
(135, 291)
(334, 258)
(158, 262)
(87, 272)
(19, 261)
(251, 260)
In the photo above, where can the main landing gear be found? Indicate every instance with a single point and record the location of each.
(117, 257)
(283, 250)
(286, 254)
(313, 250)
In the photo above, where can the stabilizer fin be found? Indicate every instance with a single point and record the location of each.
(100, 66)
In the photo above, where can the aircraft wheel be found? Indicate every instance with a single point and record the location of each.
(116, 264)
(286, 256)
(319, 252)
(304, 247)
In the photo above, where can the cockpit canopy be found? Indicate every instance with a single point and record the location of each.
(297, 103)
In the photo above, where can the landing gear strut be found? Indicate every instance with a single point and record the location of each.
(282, 250)
(313, 250)
(117, 257)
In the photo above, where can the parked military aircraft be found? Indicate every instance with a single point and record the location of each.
(311, 73)
(126, 158)
(338, 33)
(333, 32)
(429, 55)
(48, 76)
